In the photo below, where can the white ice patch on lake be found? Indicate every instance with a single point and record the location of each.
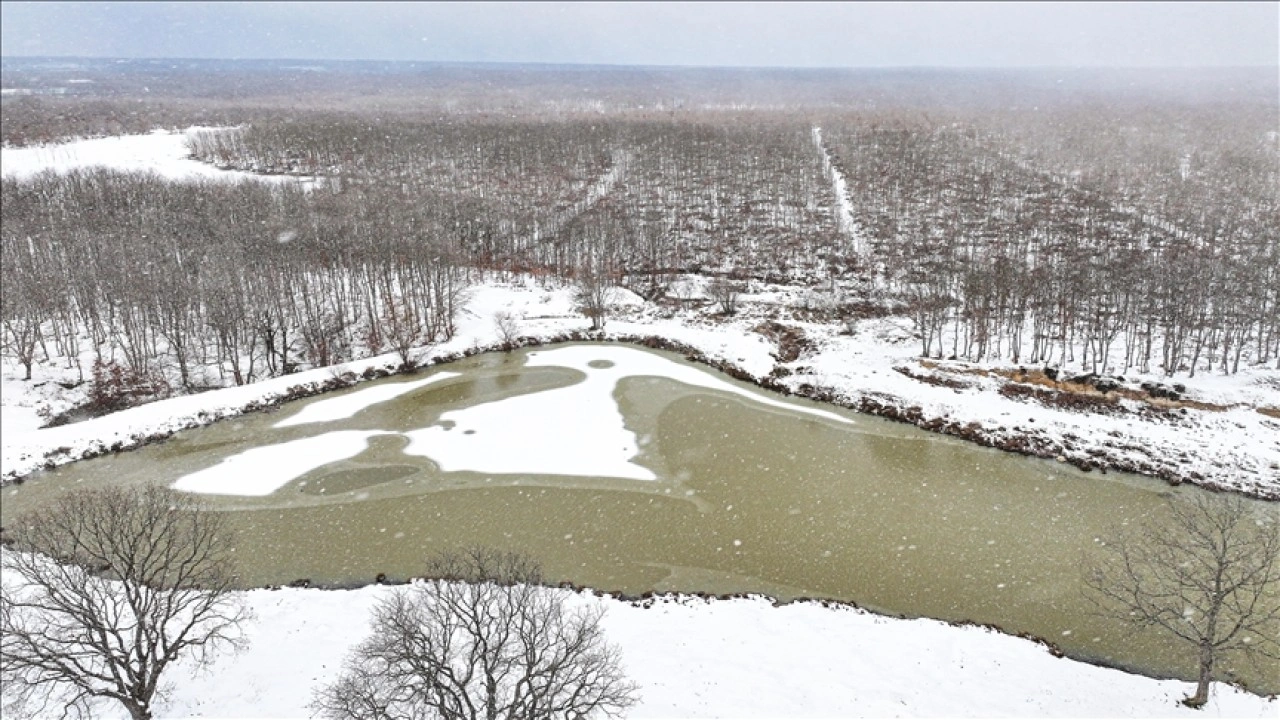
(629, 362)
(263, 470)
(346, 406)
(576, 430)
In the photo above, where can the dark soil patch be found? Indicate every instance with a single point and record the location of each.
(933, 379)
(791, 341)
(1074, 401)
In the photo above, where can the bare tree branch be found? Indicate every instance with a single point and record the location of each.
(1209, 577)
(482, 640)
(104, 589)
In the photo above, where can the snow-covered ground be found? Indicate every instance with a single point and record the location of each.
(735, 658)
(694, 657)
(740, 658)
(162, 152)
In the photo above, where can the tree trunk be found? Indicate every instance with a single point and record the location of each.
(1202, 686)
(138, 711)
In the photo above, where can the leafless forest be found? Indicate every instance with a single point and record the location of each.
(1084, 220)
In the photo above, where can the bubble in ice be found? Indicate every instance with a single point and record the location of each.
(286, 236)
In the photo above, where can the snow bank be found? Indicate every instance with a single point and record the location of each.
(702, 658)
(577, 430)
(629, 362)
(1233, 448)
(574, 430)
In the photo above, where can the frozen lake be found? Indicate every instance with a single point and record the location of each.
(630, 470)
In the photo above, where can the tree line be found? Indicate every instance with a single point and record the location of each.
(743, 192)
(999, 257)
(1005, 239)
(244, 280)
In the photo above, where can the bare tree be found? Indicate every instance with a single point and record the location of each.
(1209, 576)
(103, 590)
(403, 329)
(507, 326)
(725, 295)
(594, 291)
(482, 640)
(21, 336)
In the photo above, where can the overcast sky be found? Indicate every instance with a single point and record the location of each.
(707, 34)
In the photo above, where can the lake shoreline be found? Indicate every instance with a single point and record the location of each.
(651, 598)
(1037, 443)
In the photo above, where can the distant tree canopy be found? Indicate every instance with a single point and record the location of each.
(1107, 236)
(1072, 244)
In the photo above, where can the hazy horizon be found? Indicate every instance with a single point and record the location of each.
(620, 66)
(835, 36)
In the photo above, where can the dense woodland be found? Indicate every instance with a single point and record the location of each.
(1103, 231)
(1005, 249)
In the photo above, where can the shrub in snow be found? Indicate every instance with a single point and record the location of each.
(115, 387)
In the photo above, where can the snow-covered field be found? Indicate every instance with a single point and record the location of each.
(692, 658)
(162, 152)
(695, 658)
